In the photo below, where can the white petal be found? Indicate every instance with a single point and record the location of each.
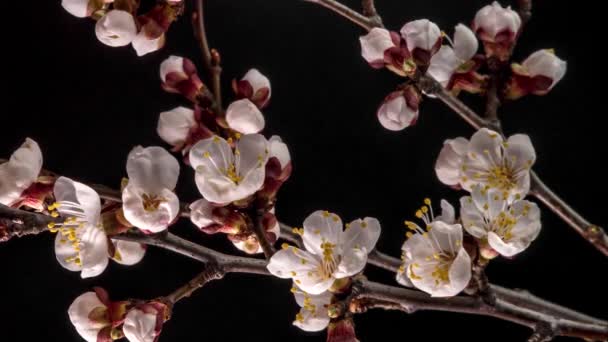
(116, 28)
(65, 253)
(20, 171)
(201, 213)
(403, 279)
(353, 262)
(152, 169)
(302, 267)
(174, 126)
(279, 150)
(152, 220)
(472, 218)
(320, 227)
(449, 163)
(361, 234)
(375, 43)
(545, 63)
(171, 64)
(460, 273)
(77, 200)
(484, 152)
(78, 8)
(128, 253)
(448, 237)
(443, 65)
(93, 252)
(396, 115)
(257, 81)
(139, 326)
(79, 316)
(465, 43)
(422, 34)
(494, 19)
(244, 117)
(144, 45)
(507, 249)
(313, 322)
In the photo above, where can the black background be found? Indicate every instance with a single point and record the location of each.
(88, 105)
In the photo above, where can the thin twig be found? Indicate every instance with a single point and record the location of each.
(210, 273)
(542, 333)
(369, 10)
(350, 14)
(211, 57)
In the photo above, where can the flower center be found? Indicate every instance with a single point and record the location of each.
(330, 262)
(152, 202)
(501, 177)
(232, 174)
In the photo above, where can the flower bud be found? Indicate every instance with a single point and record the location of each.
(375, 44)
(174, 126)
(497, 27)
(255, 87)
(423, 39)
(179, 76)
(342, 331)
(244, 117)
(116, 28)
(145, 322)
(82, 8)
(399, 109)
(537, 75)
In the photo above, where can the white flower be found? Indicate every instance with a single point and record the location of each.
(421, 34)
(545, 63)
(449, 59)
(78, 8)
(374, 45)
(508, 228)
(494, 20)
(174, 126)
(224, 175)
(143, 45)
(81, 243)
(396, 114)
(244, 117)
(330, 254)
(313, 313)
(149, 202)
(87, 315)
(259, 90)
(491, 162)
(116, 28)
(140, 326)
(449, 162)
(127, 252)
(21, 171)
(434, 259)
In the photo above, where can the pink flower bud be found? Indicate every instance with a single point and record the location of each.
(244, 117)
(342, 331)
(399, 109)
(255, 87)
(144, 323)
(116, 28)
(537, 75)
(497, 27)
(423, 39)
(179, 76)
(375, 44)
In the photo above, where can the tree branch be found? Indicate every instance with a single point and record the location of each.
(367, 23)
(210, 273)
(18, 223)
(211, 57)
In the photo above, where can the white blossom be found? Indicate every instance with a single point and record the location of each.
(149, 202)
(331, 253)
(244, 117)
(174, 126)
(224, 174)
(421, 34)
(20, 172)
(507, 228)
(128, 253)
(490, 161)
(450, 58)
(374, 45)
(116, 28)
(545, 63)
(395, 114)
(81, 243)
(140, 326)
(260, 87)
(87, 314)
(434, 259)
(313, 314)
(494, 19)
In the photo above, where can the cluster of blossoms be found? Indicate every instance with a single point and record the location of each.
(457, 66)
(118, 23)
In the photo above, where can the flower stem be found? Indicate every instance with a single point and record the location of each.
(211, 272)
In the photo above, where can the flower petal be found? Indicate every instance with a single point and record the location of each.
(449, 163)
(78, 8)
(448, 237)
(465, 43)
(279, 150)
(116, 28)
(320, 227)
(302, 267)
(20, 171)
(374, 44)
(65, 253)
(361, 234)
(201, 213)
(448, 214)
(170, 65)
(79, 312)
(257, 81)
(127, 252)
(353, 262)
(152, 169)
(174, 126)
(77, 200)
(144, 45)
(244, 117)
(472, 218)
(507, 249)
(396, 115)
(460, 273)
(421, 34)
(140, 326)
(153, 217)
(546, 63)
(93, 251)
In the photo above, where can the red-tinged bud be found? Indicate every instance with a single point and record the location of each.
(498, 28)
(342, 331)
(114, 222)
(423, 39)
(486, 251)
(400, 109)
(537, 75)
(227, 221)
(179, 76)
(34, 197)
(94, 316)
(145, 322)
(471, 82)
(253, 86)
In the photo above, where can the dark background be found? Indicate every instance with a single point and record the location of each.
(88, 105)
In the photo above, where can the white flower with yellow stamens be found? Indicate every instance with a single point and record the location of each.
(149, 202)
(81, 243)
(313, 314)
(331, 253)
(434, 259)
(224, 174)
(506, 228)
(492, 162)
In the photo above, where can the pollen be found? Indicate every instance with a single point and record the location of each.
(427, 201)
(285, 246)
